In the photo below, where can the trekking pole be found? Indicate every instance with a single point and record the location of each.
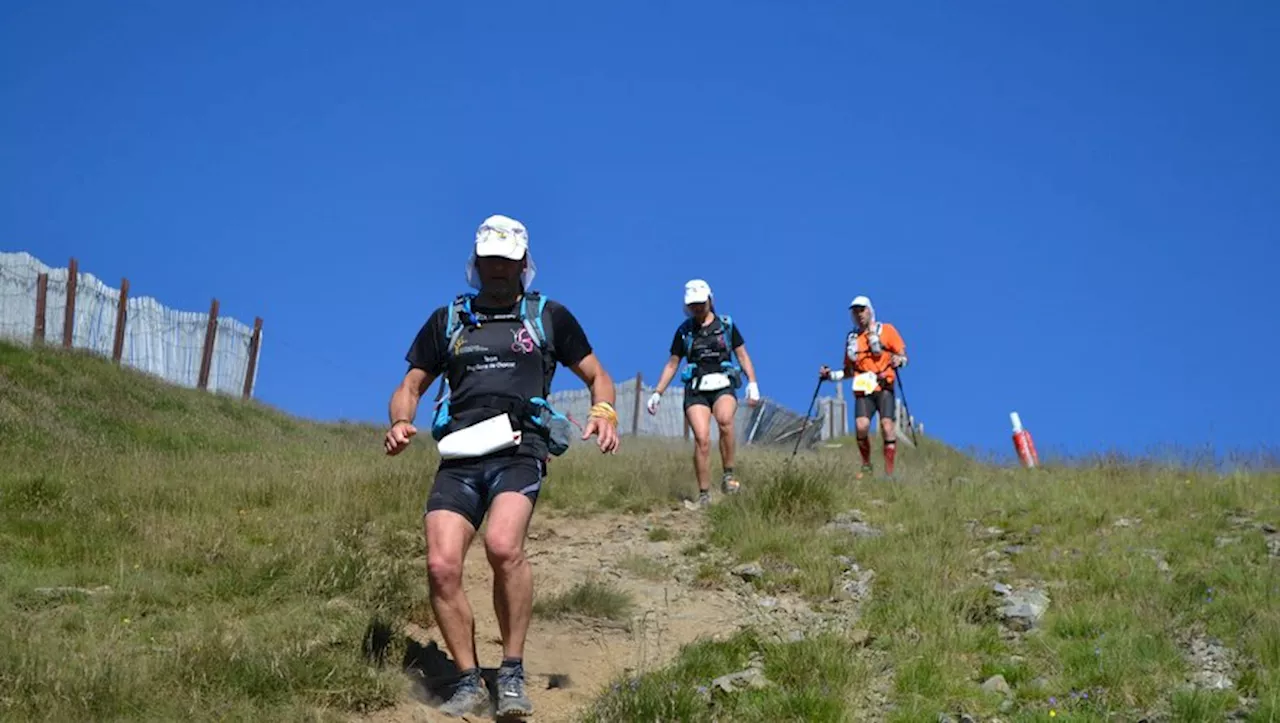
(807, 414)
(911, 425)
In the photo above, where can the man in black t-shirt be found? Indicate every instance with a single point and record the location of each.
(711, 387)
(493, 369)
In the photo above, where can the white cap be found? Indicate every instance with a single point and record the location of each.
(696, 291)
(1016, 420)
(501, 236)
(860, 301)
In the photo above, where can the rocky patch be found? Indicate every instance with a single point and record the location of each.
(1020, 610)
(853, 523)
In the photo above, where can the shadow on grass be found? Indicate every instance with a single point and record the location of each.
(431, 672)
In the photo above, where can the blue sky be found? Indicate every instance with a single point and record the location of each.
(1071, 209)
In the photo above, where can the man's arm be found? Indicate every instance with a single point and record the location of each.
(896, 346)
(404, 400)
(425, 355)
(573, 349)
(603, 418)
(850, 355)
(593, 374)
(404, 408)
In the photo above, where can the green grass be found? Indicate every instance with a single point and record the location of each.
(660, 534)
(1112, 642)
(645, 567)
(245, 551)
(813, 680)
(238, 556)
(589, 598)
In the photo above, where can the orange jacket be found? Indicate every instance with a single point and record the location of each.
(858, 357)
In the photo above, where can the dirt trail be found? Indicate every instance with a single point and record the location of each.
(581, 656)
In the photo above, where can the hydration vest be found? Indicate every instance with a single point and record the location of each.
(873, 341)
(549, 423)
(730, 366)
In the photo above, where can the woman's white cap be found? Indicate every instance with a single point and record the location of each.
(501, 236)
(696, 291)
(860, 301)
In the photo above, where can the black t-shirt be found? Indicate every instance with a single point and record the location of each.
(497, 359)
(709, 347)
(571, 344)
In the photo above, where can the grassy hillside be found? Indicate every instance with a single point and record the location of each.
(169, 554)
(1159, 595)
(166, 554)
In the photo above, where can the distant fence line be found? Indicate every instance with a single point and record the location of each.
(43, 305)
(768, 423)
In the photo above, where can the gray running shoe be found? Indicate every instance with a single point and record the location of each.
(512, 701)
(704, 499)
(729, 483)
(469, 697)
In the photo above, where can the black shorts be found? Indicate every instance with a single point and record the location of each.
(707, 399)
(468, 487)
(882, 401)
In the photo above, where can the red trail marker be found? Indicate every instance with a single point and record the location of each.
(1023, 444)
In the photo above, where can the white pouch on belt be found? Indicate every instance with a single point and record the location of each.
(481, 438)
(865, 383)
(714, 382)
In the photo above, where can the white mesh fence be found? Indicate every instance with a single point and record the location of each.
(766, 423)
(160, 341)
(769, 423)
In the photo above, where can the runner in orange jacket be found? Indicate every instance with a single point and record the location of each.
(873, 352)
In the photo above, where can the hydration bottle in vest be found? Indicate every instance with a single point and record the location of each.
(1023, 444)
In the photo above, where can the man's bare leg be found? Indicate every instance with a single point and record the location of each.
(449, 534)
(512, 595)
(512, 575)
(889, 435)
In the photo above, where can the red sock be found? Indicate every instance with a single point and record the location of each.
(890, 449)
(864, 446)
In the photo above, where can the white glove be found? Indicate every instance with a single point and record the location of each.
(753, 391)
(654, 400)
(899, 360)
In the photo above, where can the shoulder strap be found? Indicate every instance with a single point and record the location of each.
(686, 331)
(533, 322)
(460, 315)
(726, 322)
(542, 332)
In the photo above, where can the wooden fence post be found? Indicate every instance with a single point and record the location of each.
(42, 295)
(69, 320)
(206, 359)
(253, 356)
(635, 413)
(122, 316)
